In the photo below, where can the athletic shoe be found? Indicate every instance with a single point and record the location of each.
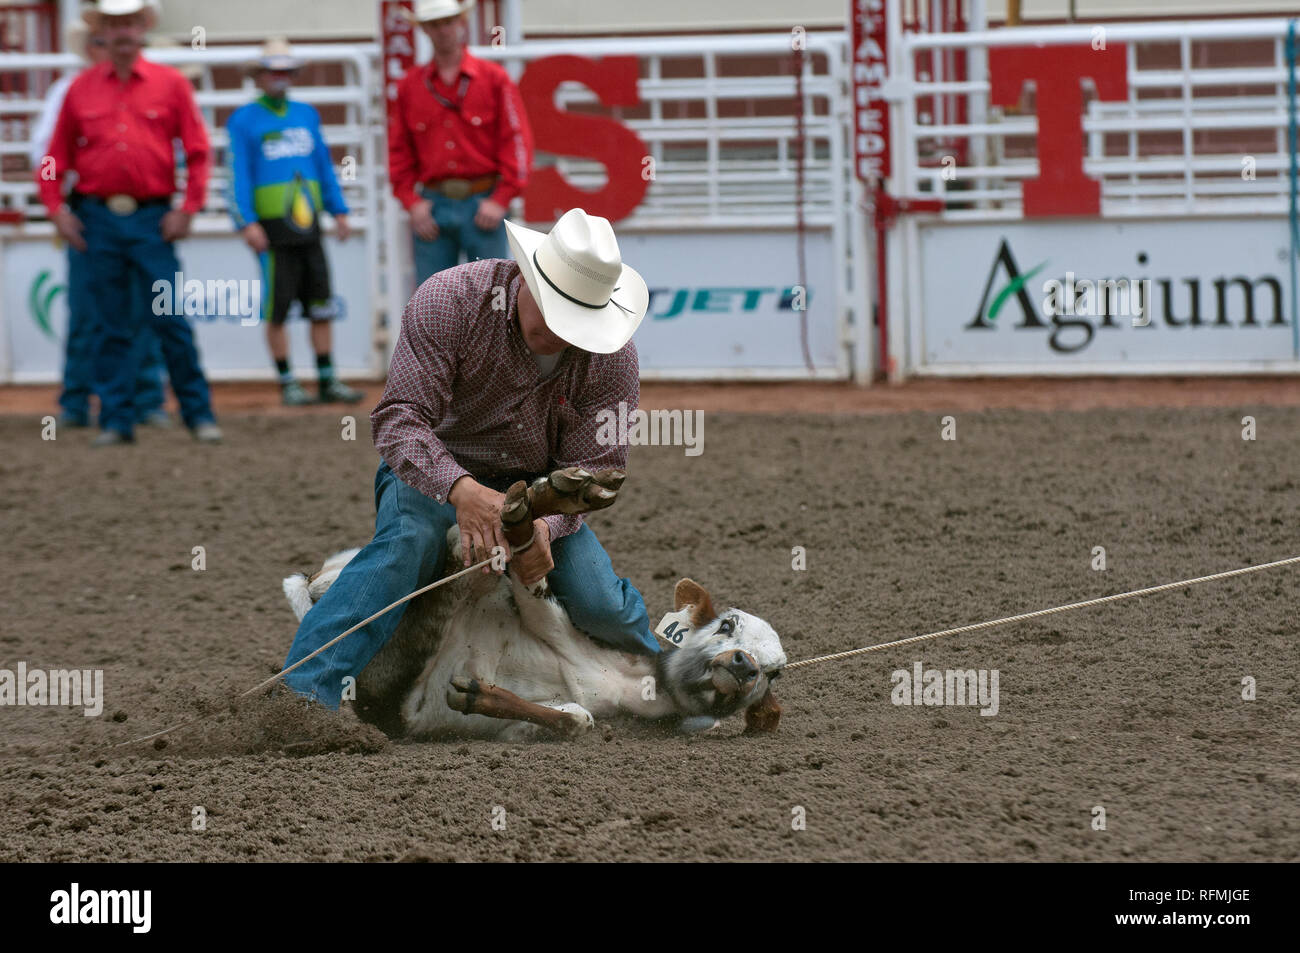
(207, 432)
(111, 438)
(336, 392)
(292, 394)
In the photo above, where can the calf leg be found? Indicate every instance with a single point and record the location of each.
(469, 696)
(571, 490)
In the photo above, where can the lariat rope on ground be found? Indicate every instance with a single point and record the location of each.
(307, 658)
(1025, 616)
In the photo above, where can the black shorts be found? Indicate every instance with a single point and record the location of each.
(296, 273)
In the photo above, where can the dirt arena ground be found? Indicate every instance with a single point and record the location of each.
(1136, 708)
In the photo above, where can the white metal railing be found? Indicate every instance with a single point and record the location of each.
(355, 136)
(711, 171)
(359, 137)
(1221, 121)
(708, 172)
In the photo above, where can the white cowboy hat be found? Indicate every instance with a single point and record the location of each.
(277, 55)
(120, 8)
(586, 294)
(426, 10)
(76, 38)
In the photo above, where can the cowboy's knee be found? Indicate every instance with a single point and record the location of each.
(614, 614)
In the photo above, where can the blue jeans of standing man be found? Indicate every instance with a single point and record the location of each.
(126, 255)
(81, 343)
(456, 233)
(407, 552)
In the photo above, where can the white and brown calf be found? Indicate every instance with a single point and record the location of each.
(486, 656)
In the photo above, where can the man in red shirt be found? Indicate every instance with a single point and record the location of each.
(459, 146)
(116, 131)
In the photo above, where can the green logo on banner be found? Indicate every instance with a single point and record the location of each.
(41, 298)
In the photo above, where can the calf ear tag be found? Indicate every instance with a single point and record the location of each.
(674, 627)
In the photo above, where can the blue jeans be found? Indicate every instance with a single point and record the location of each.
(125, 256)
(456, 233)
(81, 344)
(407, 553)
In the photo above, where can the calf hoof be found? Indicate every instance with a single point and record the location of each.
(579, 721)
(516, 508)
(578, 490)
(461, 692)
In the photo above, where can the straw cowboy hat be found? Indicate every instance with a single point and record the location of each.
(586, 294)
(426, 10)
(119, 8)
(277, 55)
(76, 37)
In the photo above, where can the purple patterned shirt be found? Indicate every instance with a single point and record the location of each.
(465, 396)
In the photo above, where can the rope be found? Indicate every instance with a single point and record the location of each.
(1023, 617)
(836, 656)
(307, 658)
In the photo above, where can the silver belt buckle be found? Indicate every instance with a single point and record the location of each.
(121, 204)
(457, 189)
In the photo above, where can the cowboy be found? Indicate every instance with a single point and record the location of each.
(501, 372)
(116, 131)
(459, 146)
(281, 176)
(80, 340)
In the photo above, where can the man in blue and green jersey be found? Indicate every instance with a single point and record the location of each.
(281, 178)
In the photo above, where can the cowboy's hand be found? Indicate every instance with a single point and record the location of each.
(478, 514)
(422, 222)
(535, 562)
(69, 226)
(342, 227)
(175, 225)
(489, 215)
(254, 236)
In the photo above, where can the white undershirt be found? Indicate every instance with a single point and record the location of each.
(546, 362)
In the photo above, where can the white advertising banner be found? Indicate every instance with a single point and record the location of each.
(729, 302)
(220, 291)
(722, 304)
(1105, 296)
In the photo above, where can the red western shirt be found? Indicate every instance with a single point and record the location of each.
(118, 136)
(464, 394)
(488, 134)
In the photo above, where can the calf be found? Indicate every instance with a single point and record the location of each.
(488, 657)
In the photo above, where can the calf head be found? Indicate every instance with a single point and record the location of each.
(725, 662)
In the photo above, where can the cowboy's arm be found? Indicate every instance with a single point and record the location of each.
(514, 144)
(331, 192)
(403, 160)
(417, 396)
(585, 444)
(58, 152)
(193, 134)
(43, 130)
(240, 180)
